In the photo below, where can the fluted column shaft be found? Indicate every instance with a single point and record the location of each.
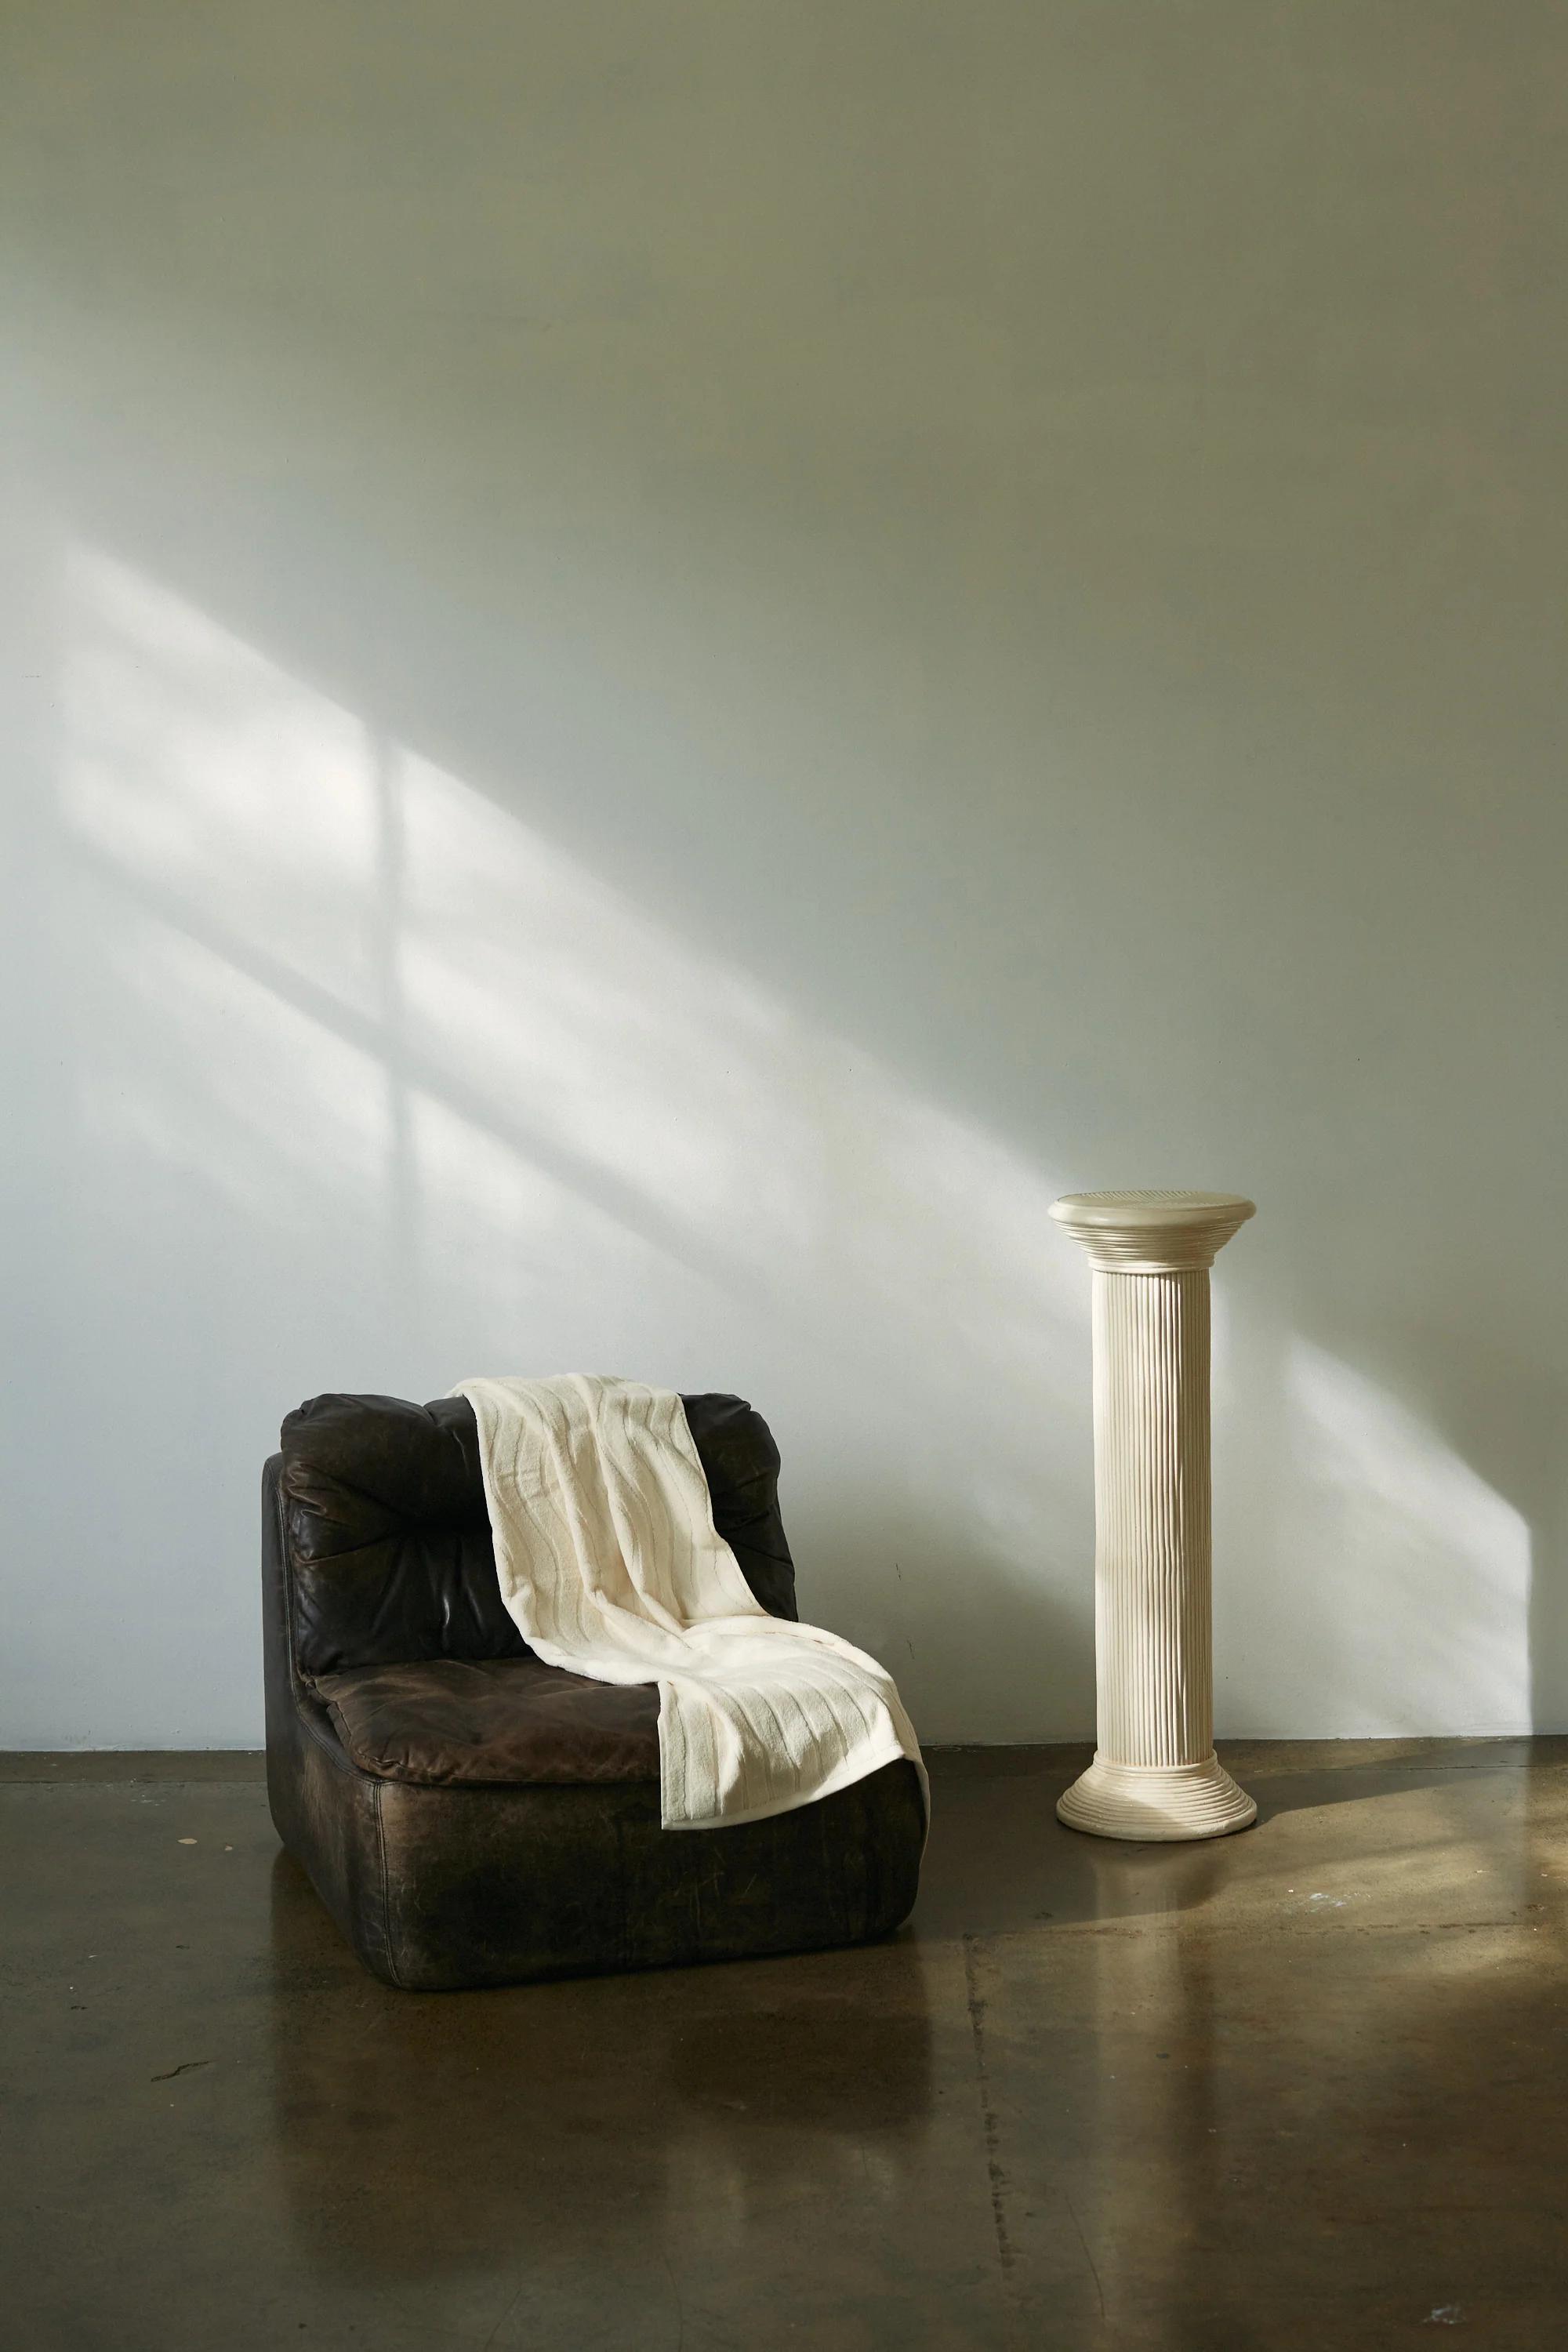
(1151, 1570)
(1155, 1774)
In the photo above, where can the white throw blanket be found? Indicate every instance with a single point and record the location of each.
(610, 1563)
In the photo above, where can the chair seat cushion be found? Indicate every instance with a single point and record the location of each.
(441, 1721)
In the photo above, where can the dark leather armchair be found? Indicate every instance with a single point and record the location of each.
(471, 1816)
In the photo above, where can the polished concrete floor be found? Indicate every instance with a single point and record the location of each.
(1304, 2088)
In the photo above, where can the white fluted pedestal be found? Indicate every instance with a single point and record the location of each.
(1155, 1774)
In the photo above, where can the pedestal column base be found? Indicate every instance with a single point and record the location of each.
(1146, 1802)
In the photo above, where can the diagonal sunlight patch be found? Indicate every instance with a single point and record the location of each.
(370, 1034)
(1415, 1572)
(372, 1084)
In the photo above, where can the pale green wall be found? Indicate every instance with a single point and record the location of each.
(663, 663)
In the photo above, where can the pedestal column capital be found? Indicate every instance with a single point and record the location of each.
(1152, 1232)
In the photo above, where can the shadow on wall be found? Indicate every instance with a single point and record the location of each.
(663, 676)
(1399, 1585)
(337, 1012)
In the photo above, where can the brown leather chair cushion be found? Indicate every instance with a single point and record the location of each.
(389, 1538)
(514, 1721)
(439, 1884)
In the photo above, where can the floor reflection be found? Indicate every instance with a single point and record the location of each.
(1300, 2088)
(422, 2132)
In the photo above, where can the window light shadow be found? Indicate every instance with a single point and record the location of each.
(335, 998)
(365, 1082)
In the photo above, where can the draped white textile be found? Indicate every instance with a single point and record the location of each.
(611, 1566)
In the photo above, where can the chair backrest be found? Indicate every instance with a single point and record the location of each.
(387, 1543)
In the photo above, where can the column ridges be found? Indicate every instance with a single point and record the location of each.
(1151, 1515)
(1155, 1774)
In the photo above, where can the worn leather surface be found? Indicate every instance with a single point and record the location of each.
(489, 1886)
(440, 1884)
(511, 1719)
(325, 1812)
(389, 1538)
